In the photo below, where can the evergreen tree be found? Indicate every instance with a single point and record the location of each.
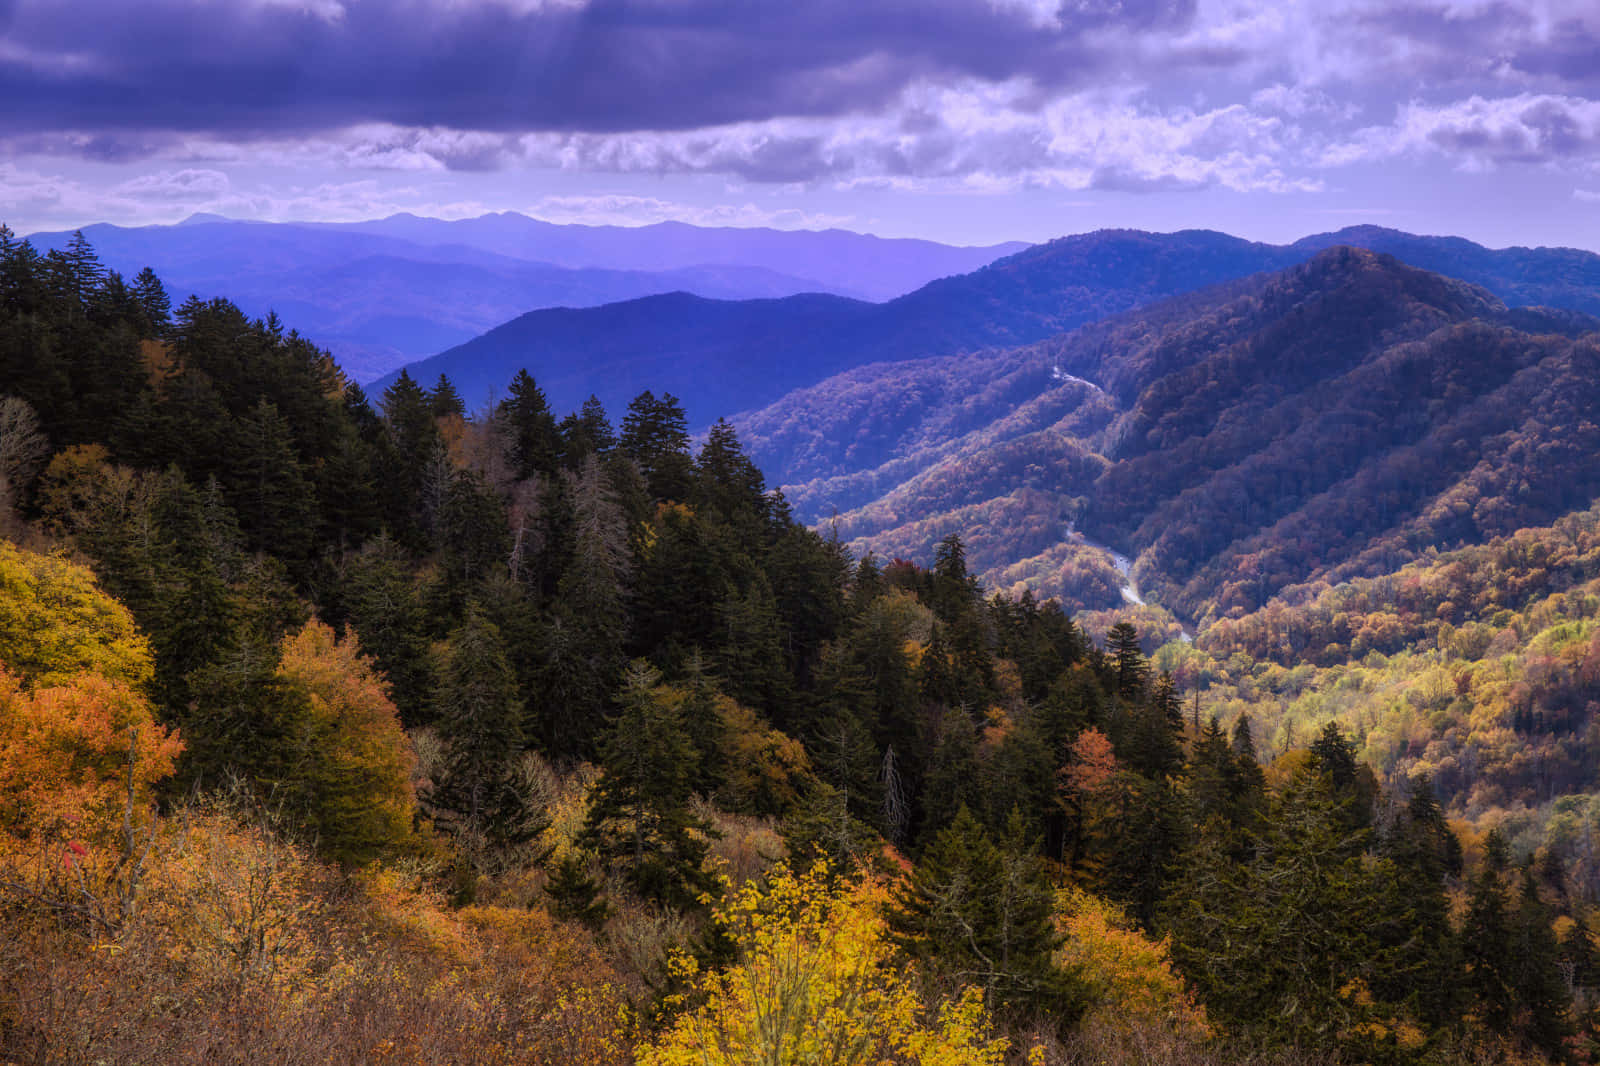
(270, 492)
(1132, 668)
(534, 441)
(1275, 946)
(727, 482)
(639, 815)
(154, 303)
(584, 646)
(655, 435)
(444, 401)
(476, 792)
(981, 912)
(575, 896)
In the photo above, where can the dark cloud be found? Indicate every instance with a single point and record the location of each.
(1572, 54)
(1447, 46)
(242, 68)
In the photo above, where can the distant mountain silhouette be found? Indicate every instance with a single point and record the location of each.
(720, 358)
(384, 293)
(838, 261)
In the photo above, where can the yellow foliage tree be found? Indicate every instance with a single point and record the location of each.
(1130, 974)
(56, 624)
(357, 760)
(816, 985)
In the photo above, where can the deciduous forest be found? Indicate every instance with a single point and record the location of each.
(348, 728)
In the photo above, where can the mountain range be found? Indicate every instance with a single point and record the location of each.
(723, 357)
(1332, 419)
(383, 293)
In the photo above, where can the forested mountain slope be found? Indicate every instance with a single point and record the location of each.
(1338, 416)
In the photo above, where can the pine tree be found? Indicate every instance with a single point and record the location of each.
(1276, 945)
(413, 436)
(85, 272)
(269, 491)
(575, 896)
(1132, 668)
(535, 442)
(727, 482)
(444, 401)
(655, 435)
(154, 303)
(981, 913)
(639, 816)
(477, 793)
(584, 646)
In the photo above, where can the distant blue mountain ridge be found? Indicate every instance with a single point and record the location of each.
(383, 293)
(724, 357)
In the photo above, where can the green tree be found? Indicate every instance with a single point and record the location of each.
(655, 434)
(534, 440)
(981, 912)
(639, 815)
(476, 793)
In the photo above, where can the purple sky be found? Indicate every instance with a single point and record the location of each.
(963, 120)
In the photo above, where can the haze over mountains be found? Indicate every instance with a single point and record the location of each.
(720, 358)
(382, 293)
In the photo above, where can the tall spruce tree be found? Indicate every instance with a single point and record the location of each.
(639, 815)
(476, 791)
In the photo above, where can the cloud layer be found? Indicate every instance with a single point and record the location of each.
(977, 96)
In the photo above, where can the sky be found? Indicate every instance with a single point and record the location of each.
(968, 121)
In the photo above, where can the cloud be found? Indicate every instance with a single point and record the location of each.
(184, 186)
(1479, 133)
(974, 137)
(303, 66)
(624, 210)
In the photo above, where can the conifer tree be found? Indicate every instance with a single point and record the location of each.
(270, 493)
(1132, 668)
(476, 791)
(980, 912)
(575, 896)
(535, 442)
(639, 816)
(655, 434)
(444, 401)
(727, 482)
(584, 650)
(154, 303)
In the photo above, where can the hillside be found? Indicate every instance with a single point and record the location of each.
(1335, 417)
(335, 733)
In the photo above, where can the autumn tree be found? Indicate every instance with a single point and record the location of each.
(816, 984)
(355, 783)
